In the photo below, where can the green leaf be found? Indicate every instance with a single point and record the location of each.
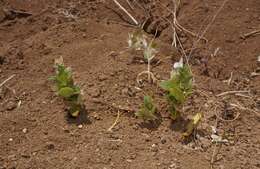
(67, 89)
(63, 77)
(177, 94)
(148, 102)
(174, 113)
(74, 110)
(185, 77)
(178, 88)
(166, 85)
(66, 92)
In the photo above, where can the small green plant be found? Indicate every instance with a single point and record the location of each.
(178, 88)
(147, 110)
(66, 89)
(137, 41)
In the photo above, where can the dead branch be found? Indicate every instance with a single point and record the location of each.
(5, 81)
(129, 15)
(232, 92)
(247, 35)
(115, 122)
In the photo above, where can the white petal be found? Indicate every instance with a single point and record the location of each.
(178, 64)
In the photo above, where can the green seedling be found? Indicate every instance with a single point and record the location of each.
(66, 89)
(178, 88)
(137, 41)
(148, 110)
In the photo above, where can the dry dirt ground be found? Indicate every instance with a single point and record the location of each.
(35, 132)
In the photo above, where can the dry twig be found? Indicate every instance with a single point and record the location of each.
(244, 108)
(151, 75)
(230, 79)
(115, 122)
(247, 35)
(5, 81)
(129, 4)
(232, 92)
(242, 95)
(129, 15)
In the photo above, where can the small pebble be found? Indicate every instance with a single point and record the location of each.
(10, 139)
(172, 166)
(25, 130)
(128, 160)
(80, 126)
(97, 117)
(154, 148)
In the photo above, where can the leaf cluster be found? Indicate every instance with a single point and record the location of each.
(147, 110)
(178, 88)
(67, 89)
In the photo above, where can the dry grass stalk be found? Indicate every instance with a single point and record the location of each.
(128, 14)
(5, 81)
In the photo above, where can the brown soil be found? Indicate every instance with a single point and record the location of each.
(35, 131)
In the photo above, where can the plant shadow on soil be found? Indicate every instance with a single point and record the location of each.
(180, 125)
(151, 125)
(81, 119)
(193, 136)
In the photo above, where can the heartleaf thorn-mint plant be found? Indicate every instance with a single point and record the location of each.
(147, 110)
(67, 89)
(178, 88)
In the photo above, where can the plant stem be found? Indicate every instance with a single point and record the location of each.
(149, 69)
